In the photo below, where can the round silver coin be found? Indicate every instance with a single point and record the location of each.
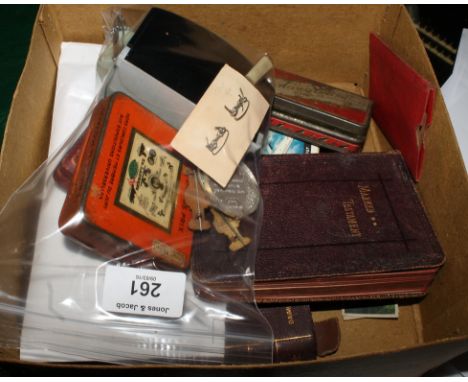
(239, 198)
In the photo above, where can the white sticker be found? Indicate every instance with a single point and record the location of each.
(143, 291)
(218, 132)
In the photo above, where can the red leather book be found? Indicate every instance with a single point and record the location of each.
(335, 227)
(403, 103)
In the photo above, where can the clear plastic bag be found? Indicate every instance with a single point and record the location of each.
(110, 222)
(119, 27)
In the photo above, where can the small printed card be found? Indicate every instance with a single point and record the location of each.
(219, 130)
(278, 143)
(143, 292)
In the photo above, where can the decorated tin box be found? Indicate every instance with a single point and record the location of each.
(320, 114)
(125, 199)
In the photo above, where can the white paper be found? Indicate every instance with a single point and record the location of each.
(455, 92)
(77, 85)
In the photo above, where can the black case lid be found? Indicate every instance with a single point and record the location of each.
(181, 54)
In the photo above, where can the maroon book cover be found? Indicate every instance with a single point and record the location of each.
(337, 226)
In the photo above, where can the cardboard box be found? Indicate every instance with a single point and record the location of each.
(326, 43)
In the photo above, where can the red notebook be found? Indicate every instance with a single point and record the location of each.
(403, 102)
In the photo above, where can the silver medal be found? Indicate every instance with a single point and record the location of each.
(239, 198)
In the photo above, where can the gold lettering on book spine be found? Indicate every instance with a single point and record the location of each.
(289, 314)
(365, 192)
(351, 219)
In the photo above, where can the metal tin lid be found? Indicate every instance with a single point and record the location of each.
(181, 54)
(312, 101)
(308, 114)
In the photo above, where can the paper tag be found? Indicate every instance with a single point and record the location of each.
(143, 291)
(219, 130)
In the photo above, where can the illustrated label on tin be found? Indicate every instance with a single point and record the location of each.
(149, 181)
(143, 291)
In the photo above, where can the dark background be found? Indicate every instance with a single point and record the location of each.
(16, 23)
(440, 28)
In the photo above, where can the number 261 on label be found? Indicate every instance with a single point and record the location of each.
(145, 288)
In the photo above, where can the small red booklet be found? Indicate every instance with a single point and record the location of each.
(403, 102)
